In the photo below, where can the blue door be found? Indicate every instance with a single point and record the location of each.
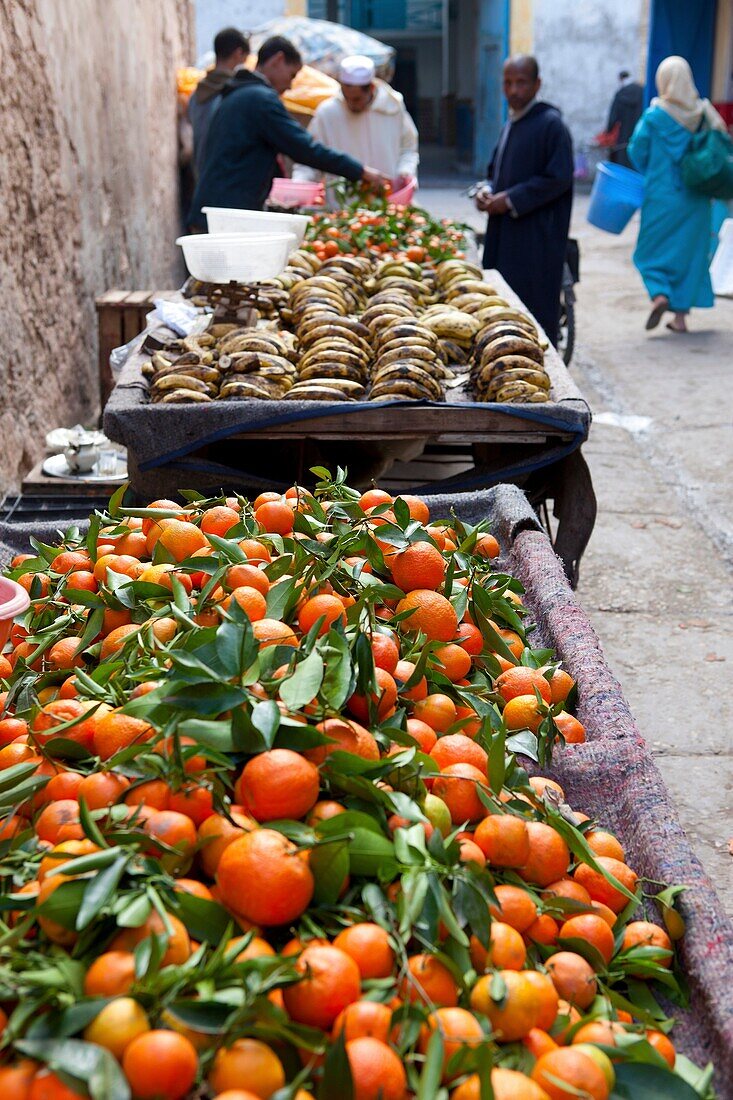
(679, 27)
(490, 108)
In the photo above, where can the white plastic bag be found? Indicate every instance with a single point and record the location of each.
(721, 269)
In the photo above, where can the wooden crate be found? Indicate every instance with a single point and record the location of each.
(120, 317)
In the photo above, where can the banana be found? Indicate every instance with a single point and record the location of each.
(452, 352)
(179, 381)
(511, 345)
(220, 329)
(331, 370)
(405, 331)
(348, 325)
(498, 381)
(179, 397)
(400, 388)
(255, 386)
(348, 386)
(453, 326)
(405, 351)
(469, 303)
(513, 362)
(412, 373)
(516, 391)
(309, 391)
(161, 359)
(505, 313)
(205, 374)
(447, 268)
(468, 286)
(501, 328)
(249, 361)
(324, 333)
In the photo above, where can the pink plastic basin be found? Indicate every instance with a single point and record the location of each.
(404, 196)
(14, 600)
(287, 192)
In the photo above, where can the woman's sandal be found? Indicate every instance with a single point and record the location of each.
(673, 328)
(657, 313)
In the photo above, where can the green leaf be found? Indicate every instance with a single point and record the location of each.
(206, 698)
(209, 1017)
(98, 892)
(205, 920)
(305, 683)
(369, 853)
(329, 864)
(636, 1081)
(579, 847)
(70, 1021)
(279, 598)
(337, 1082)
(86, 1063)
(265, 718)
(236, 645)
(63, 904)
(432, 1070)
(113, 508)
(497, 762)
(338, 678)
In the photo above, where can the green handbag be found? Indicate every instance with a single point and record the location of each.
(707, 166)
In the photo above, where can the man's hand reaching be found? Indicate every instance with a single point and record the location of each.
(377, 179)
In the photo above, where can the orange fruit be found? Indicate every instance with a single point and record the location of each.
(504, 840)
(116, 731)
(416, 506)
(176, 831)
(373, 497)
(48, 1086)
(160, 1062)
(278, 784)
(247, 1064)
(423, 734)
(251, 600)
(62, 853)
(102, 789)
(54, 816)
(470, 638)
(508, 1084)
(15, 1079)
(642, 933)
(421, 565)
(663, 1046)
(568, 1066)
(363, 1018)
(264, 878)
(272, 632)
(431, 614)
(219, 520)
(572, 730)
(567, 888)
(602, 890)
(181, 538)
(369, 946)
(456, 748)
(522, 712)
(514, 906)
(506, 950)
(594, 930)
(331, 981)
(329, 608)
(215, 834)
(458, 786)
(452, 660)
(520, 680)
(429, 980)
(597, 1031)
(487, 547)
(459, 1029)
(276, 517)
(561, 683)
(112, 974)
(602, 843)
(64, 654)
(384, 698)
(549, 855)
(60, 711)
(245, 575)
(438, 711)
(573, 978)
(346, 736)
(546, 998)
(116, 639)
(117, 1024)
(385, 651)
(178, 942)
(513, 1016)
(376, 1071)
(403, 672)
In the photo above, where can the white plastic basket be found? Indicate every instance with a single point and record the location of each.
(236, 257)
(221, 219)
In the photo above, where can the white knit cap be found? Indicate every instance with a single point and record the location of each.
(358, 70)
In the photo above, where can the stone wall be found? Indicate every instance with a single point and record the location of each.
(88, 192)
(581, 47)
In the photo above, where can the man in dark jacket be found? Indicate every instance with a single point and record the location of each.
(231, 48)
(530, 196)
(251, 127)
(626, 108)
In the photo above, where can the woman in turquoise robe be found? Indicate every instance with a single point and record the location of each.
(673, 249)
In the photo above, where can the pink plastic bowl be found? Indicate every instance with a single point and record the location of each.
(404, 196)
(14, 600)
(287, 192)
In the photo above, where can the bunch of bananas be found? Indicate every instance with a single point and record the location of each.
(186, 372)
(334, 350)
(258, 363)
(508, 359)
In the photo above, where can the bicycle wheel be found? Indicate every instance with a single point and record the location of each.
(566, 344)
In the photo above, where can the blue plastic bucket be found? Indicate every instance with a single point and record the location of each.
(617, 193)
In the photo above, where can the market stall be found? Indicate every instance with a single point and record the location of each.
(534, 444)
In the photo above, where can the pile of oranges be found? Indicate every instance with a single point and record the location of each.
(265, 833)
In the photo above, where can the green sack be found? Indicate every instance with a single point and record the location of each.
(707, 166)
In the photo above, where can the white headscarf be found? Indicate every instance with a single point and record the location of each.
(679, 97)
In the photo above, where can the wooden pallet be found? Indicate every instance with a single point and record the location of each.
(120, 318)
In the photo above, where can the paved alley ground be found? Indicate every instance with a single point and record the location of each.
(656, 577)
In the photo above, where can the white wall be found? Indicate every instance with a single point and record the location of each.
(581, 45)
(212, 15)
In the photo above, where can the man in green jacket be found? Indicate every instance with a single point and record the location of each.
(248, 131)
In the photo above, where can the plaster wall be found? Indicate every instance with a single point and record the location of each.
(88, 194)
(581, 45)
